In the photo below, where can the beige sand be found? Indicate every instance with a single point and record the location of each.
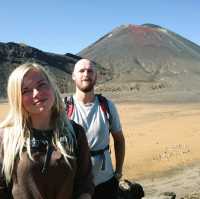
(159, 137)
(3, 110)
(162, 141)
(162, 145)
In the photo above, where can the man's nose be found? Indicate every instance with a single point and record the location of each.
(86, 72)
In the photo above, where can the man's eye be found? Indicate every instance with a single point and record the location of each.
(90, 71)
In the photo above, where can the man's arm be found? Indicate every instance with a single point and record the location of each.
(119, 146)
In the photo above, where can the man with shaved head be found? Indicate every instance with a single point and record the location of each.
(88, 113)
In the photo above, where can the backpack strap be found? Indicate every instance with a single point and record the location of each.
(105, 108)
(69, 102)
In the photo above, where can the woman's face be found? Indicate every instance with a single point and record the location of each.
(37, 94)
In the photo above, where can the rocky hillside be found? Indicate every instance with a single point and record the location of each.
(60, 66)
(143, 54)
(131, 58)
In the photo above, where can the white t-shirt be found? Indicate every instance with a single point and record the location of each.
(93, 120)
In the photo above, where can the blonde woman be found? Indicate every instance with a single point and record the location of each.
(43, 154)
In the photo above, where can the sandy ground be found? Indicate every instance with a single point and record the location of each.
(162, 146)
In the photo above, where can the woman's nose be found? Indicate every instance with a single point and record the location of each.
(35, 92)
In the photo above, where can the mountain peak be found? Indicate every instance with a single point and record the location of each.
(145, 53)
(152, 25)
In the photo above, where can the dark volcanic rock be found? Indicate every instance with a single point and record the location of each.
(60, 66)
(129, 190)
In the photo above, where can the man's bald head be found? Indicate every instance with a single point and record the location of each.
(84, 75)
(83, 62)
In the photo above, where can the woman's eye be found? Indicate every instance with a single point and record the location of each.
(42, 85)
(26, 92)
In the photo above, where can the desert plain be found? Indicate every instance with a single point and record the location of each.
(162, 146)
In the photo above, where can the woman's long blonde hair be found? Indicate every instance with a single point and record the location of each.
(16, 125)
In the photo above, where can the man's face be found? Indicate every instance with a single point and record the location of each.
(84, 75)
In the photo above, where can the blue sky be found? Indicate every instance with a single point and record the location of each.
(63, 26)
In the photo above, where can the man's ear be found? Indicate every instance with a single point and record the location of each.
(73, 76)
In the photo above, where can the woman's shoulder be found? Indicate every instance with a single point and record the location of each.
(1, 133)
(1, 139)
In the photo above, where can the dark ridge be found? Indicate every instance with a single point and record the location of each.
(60, 66)
(151, 25)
